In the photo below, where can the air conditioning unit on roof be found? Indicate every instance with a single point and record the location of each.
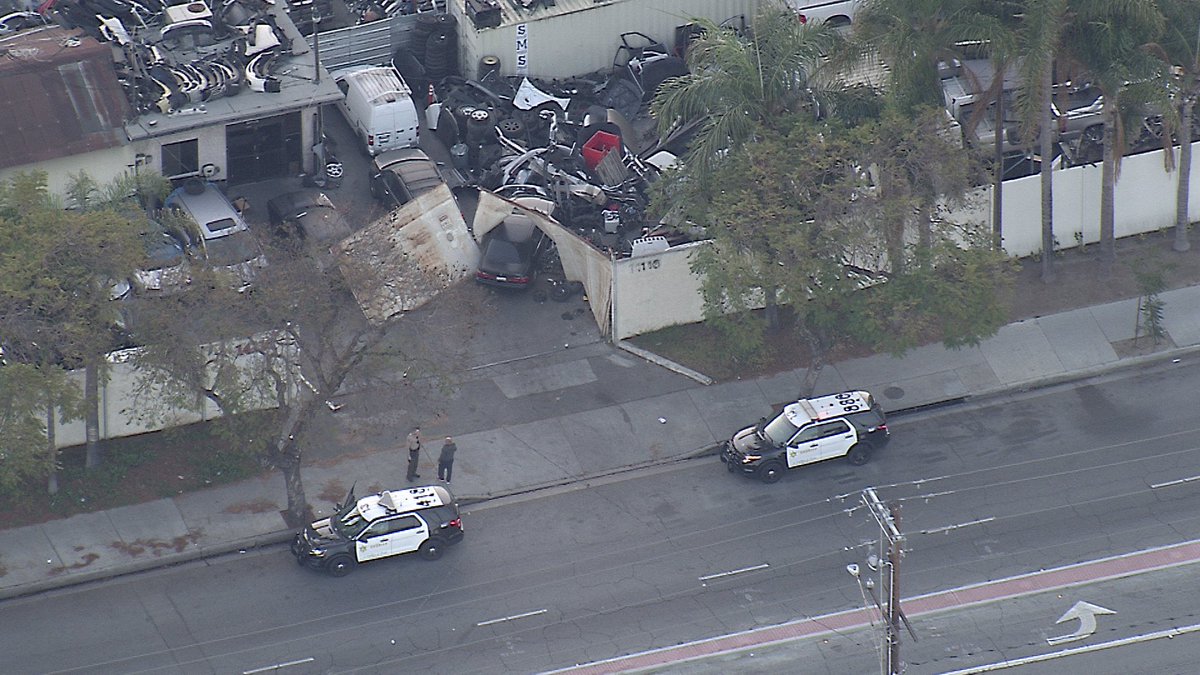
(188, 11)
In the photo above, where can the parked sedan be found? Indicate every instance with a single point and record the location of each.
(510, 253)
(300, 217)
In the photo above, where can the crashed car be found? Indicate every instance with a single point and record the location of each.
(382, 525)
(299, 217)
(510, 253)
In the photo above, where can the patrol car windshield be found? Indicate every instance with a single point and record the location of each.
(779, 430)
(349, 522)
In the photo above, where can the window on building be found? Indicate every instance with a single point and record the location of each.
(181, 159)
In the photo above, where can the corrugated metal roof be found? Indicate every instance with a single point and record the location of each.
(59, 96)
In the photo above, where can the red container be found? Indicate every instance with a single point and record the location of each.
(600, 144)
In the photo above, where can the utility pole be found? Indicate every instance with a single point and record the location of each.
(888, 518)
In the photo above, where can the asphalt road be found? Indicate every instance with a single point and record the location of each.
(675, 554)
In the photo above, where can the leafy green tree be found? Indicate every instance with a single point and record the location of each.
(812, 221)
(56, 271)
(274, 355)
(31, 398)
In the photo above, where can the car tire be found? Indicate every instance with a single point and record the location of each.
(431, 549)
(339, 565)
(770, 472)
(859, 454)
(729, 466)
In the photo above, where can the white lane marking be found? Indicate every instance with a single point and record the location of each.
(1086, 613)
(277, 666)
(1169, 483)
(1147, 637)
(949, 528)
(510, 618)
(730, 573)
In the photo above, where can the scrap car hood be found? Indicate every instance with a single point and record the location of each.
(747, 440)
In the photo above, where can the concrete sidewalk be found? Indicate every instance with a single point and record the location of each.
(559, 450)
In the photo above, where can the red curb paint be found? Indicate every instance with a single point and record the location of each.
(1027, 584)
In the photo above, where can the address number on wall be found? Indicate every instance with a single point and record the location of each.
(646, 265)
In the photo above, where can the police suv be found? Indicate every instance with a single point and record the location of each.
(393, 522)
(850, 424)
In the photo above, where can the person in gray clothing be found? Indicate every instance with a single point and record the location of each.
(414, 453)
(446, 459)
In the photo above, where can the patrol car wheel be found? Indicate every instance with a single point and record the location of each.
(431, 549)
(771, 472)
(858, 455)
(339, 565)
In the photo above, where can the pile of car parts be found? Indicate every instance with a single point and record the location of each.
(175, 55)
(585, 145)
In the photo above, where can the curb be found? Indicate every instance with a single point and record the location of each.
(281, 536)
(133, 567)
(664, 362)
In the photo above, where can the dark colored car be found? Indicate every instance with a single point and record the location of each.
(850, 424)
(300, 217)
(402, 175)
(510, 253)
(389, 523)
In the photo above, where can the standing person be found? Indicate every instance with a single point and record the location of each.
(446, 459)
(414, 452)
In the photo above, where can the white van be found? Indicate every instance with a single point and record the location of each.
(379, 107)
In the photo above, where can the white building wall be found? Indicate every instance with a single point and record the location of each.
(655, 291)
(583, 41)
(102, 165)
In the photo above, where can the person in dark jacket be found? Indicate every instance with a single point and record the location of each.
(446, 459)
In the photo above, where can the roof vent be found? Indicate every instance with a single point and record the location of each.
(188, 11)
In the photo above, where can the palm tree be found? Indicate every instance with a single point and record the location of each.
(1109, 44)
(737, 81)
(1179, 47)
(913, 36)
(1041, 35)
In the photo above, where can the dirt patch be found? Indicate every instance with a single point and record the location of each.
(136, 469)
(156, 547)
(84, 562)
(1142, 346)
(252, 506)
(333, 492)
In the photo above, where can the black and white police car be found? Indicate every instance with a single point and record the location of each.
(393, 522)
(850, 424)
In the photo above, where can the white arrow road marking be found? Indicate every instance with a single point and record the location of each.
(1086, 613)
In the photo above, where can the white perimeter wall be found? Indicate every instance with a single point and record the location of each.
(1144, 202)
(653, 292)
(118, 407)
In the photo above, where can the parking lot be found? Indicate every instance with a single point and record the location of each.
(474, 357)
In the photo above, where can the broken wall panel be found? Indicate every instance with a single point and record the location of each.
(401, 261)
